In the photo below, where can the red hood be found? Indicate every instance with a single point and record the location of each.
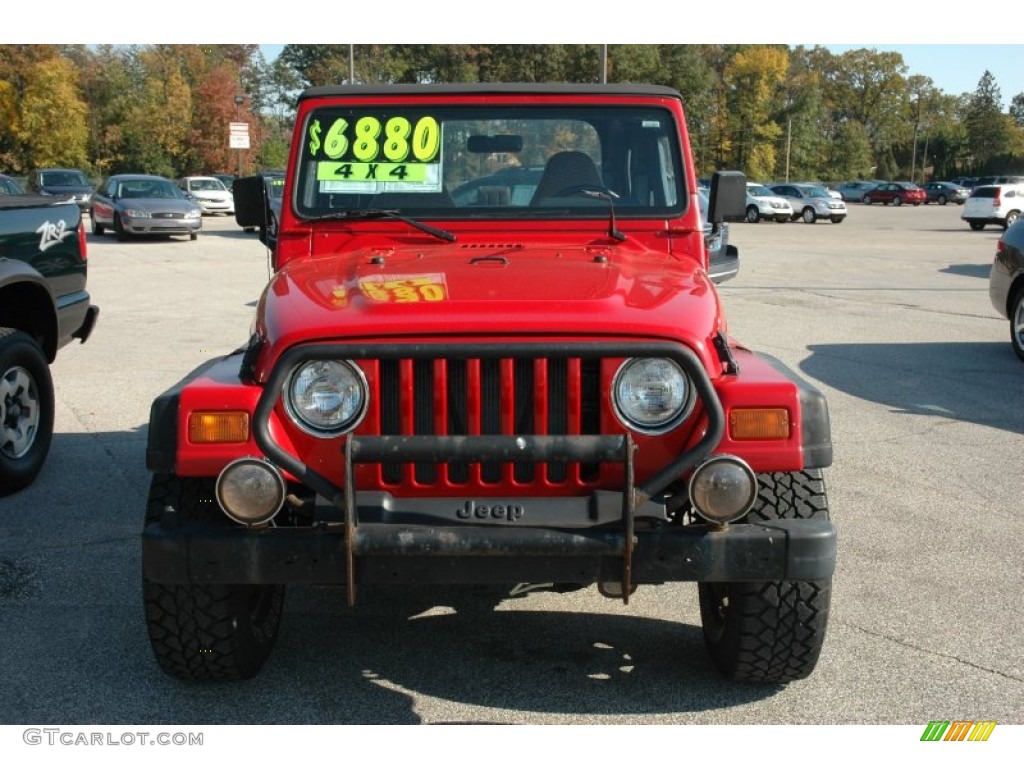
(445, 290)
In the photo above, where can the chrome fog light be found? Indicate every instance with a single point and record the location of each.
(723, 489)
(250, 491)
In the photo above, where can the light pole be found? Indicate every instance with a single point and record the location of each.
(239, 101)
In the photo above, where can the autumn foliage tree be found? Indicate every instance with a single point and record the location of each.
(770, 110)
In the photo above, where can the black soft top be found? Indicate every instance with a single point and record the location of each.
(440, 89)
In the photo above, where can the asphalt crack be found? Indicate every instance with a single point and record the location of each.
(930, 652)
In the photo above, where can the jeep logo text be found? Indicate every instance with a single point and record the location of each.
(471, 510)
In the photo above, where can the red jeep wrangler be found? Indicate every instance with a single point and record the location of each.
(490, 354)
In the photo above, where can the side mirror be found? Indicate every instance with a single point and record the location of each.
(727, 199)
(252, 207)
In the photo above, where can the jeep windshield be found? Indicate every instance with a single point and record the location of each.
(491, 161)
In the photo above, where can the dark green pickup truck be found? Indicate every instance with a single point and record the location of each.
(43, 306)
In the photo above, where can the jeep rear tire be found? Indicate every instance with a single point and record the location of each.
(26, 410)
(206, 632)
(771, 631)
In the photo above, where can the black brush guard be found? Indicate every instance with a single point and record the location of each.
(350, 551)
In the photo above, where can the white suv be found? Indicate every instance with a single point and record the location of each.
(762, 203)
(994, 204)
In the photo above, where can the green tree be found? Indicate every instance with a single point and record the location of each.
(318, 64)
(988, 132)
(851, 156)
(1017, 109)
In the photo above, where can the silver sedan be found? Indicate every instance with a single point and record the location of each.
(138, 204)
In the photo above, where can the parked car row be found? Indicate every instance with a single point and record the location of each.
(900, 192)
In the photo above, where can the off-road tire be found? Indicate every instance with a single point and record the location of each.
(26, 410)
(1017, 322)
(771, 631)
(206, 632)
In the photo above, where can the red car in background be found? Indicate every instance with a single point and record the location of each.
(897, 193)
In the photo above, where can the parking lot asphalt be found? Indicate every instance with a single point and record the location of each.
(887, 313)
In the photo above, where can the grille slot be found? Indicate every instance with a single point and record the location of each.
(509, 396)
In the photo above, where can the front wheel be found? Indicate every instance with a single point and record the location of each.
(977, 225)
(770, 631)
(809, 216)
(119, 228)
(26, 410)
(97, 228)
(753, 215)
(837, 219)
(206, 632)
(897, 201)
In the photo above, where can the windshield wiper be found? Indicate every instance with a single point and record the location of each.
(609, 196)
(380, 213)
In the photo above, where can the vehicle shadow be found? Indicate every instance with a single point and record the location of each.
(968, 270)
(515, 658)
(973, 382)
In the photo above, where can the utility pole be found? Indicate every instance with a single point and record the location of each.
(789, 140)
(239, 101)
(351, 63)
(604, 63)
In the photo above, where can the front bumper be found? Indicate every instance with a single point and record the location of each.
(396, 554)
(162, 226)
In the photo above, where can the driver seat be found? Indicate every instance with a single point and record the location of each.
(565, 170)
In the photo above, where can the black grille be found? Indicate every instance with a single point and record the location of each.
(511, 396)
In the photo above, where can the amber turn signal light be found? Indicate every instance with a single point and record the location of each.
(218, 427)
(759, 424)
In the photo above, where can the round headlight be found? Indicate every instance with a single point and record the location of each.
(651, 395)
(326, 397)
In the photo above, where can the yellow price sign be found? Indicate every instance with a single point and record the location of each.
(403, 290)
(363, 172)
(394, 139)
